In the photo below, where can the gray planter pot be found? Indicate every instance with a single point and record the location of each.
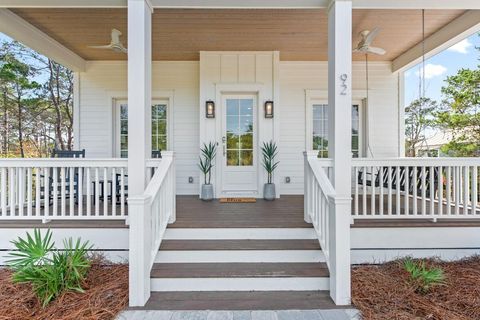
(269, 191)
(207, 192)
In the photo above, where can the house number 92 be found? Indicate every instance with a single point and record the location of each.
(343, 86)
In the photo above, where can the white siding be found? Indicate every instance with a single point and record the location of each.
(104, 81)
(297, 77)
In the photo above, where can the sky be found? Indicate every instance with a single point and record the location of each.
(439, 67)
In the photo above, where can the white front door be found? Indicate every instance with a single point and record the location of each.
(239, 146)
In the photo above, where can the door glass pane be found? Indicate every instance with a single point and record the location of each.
(239, 127)
(159, 128)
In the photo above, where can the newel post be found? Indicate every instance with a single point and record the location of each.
(139, 145)
(339, 138)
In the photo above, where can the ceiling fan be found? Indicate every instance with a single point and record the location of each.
(364, 46)
(115, 44)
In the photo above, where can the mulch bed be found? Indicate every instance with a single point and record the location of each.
(384, 292)
(106, 294)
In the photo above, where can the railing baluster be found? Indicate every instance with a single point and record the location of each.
(474, 190)
(389, 203)
(46, 200)
(381, 209)
(373, 213)
(122, 191)
(89, 191)
(356, 191)
(466, 189)
(12, 199)
(29, 192)
(424, 191)
(97, 193)
(407, 191)
(448, 194)
(80, 191)
(364, 192)
(63, 192)
(440, 191)
(72, 178)
(114, 193)
(21, 190)
(415, 191)
(398, 196)
(105, 191)
(38, 186)
(432, 191)
(55, 180)
(3, 194)
(456, 189)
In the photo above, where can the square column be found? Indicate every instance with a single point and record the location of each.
(340, 144)
(139, 146)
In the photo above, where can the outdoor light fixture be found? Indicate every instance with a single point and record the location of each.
(210, 109)
(268, 109)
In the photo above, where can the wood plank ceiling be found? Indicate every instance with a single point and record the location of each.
(179, 34)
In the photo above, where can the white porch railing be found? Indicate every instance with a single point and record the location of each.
(149, 216)
(62, 189)
(409, 188)
(330, 215)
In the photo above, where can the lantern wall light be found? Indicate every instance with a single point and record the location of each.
(268, 109)
(210, 109)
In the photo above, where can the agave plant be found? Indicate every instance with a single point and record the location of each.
(269, 151)
(209, 151)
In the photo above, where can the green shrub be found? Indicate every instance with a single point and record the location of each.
(50, 271)
(422, 276)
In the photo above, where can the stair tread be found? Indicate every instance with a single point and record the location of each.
(258, 300)
(238, 270)
(240, 245)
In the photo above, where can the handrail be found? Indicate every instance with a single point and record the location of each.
(151, 212)
(330, 215)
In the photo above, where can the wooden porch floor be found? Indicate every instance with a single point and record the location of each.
(286, 212)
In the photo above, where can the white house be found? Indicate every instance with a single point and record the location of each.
(346, 194)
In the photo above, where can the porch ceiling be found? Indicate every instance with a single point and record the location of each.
(179, 34)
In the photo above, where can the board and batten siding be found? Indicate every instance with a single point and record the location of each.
(297, 78)
(103, 82)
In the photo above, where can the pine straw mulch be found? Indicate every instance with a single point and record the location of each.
(106, 294)
(384, 292)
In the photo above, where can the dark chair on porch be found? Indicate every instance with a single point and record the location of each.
(382, 180)
(70, 179)
(156, 154)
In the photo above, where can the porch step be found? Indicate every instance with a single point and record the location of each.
(258, 300)
(223, 251)
(239, 277)
(239, 234)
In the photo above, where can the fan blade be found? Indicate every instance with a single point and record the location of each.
(376, 50)
(371, 36)
(101, 47)
(116, 36)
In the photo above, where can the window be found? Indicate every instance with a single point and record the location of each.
(320, 130)
(159, 128)
(239, 126)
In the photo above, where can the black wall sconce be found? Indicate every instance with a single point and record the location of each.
(268, 109)
(210, 109)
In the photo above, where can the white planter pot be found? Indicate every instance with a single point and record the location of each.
(206, 192)
(269, 191)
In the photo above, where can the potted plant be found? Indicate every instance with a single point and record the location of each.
(269, 151)
(206, 164)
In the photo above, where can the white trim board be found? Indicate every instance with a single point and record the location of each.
(22, 31)
(237, 4)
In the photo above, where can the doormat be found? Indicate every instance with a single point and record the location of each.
(238, 200)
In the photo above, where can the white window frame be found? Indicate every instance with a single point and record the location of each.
(116, 122)
(316, 97)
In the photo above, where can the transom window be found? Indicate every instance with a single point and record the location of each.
(320, 130)
(159, 128)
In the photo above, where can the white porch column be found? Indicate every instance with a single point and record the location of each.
(340, 122)
(139, 144)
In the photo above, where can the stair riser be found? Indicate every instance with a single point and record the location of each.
(224, 256)
(240, 284)
(239, 233)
